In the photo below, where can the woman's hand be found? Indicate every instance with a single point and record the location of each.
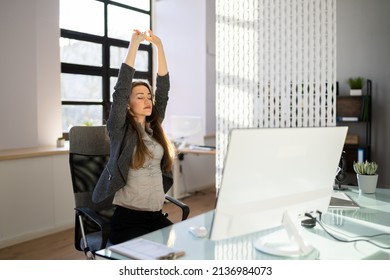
(136, 40)
(153, 39)
(162, 63)
(137, 37)
(149, 36)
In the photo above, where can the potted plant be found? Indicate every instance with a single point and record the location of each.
(356, 85)
(366, 176)
(60, 142)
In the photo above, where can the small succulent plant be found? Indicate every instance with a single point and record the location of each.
(356, 83)
(365, 168)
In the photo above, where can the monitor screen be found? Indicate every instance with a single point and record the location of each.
(188, 129)
(271, 174)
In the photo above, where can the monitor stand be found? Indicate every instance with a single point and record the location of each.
(286, 242)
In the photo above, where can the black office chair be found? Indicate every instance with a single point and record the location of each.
(89, 151)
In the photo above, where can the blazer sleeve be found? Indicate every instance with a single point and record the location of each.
(161, 94)
(116, 120)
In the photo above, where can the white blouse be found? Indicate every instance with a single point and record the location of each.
(144, 189)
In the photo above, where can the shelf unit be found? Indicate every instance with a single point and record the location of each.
(355, 112)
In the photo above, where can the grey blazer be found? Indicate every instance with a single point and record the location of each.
(123, 137)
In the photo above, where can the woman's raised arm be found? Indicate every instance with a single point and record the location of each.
(162, 65)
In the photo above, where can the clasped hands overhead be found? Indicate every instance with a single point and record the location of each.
(149, 36)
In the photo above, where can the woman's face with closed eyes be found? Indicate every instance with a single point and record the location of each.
(140, 103)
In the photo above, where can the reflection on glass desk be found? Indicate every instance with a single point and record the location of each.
(372, 218)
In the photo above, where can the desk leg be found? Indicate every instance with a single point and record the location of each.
(178, 181)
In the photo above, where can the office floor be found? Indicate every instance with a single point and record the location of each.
(59, 246)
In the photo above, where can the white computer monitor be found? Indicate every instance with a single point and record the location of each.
(187, 129)
(272, 177)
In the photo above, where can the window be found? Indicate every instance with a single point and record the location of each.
(95, 35)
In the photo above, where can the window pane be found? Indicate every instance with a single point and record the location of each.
(141, 4)
(82, 15)
(80, 52)
(81, 88)
(81, 115)
(122, 22)
(117, 56)
(112, 85)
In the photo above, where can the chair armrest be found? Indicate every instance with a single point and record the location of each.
(185, 209)
(91, 215)
(104, 226)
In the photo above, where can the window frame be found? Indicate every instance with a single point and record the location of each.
(105, 71)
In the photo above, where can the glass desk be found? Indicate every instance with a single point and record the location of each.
(372, 218)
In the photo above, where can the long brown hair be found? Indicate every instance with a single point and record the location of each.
(159, 135)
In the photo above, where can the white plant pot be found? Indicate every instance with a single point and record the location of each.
(60, 143)
(355, 92)
(367, 183)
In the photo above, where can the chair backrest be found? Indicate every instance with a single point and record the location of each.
(89, 151)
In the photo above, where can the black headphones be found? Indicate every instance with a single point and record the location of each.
(310, 222)
(342, 175)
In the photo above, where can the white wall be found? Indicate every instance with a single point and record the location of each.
(181, 24)
(210, 68)
(186, 28)
(363, 40)
(30, 108)
(36, 196)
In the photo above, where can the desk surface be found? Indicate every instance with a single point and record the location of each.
(32, 152)
(197, 151)
(370, 219)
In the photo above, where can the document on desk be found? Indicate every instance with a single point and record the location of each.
(143, 249)
(342, 200)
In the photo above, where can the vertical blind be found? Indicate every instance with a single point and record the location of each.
(276, 66)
